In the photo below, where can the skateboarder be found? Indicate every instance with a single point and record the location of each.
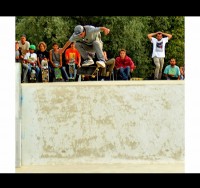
(88, 40)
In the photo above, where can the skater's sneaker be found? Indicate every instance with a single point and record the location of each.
(101, 64)
(88, 62)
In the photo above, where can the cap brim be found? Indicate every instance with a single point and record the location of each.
(76, 34)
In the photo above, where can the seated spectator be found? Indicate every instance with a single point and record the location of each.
(73, 60)
(24, 48)
(19, 59)
(108, 70)
(55, 59)
(182, 71)
(172, 71)
(18, 53)
(31, 59)
(43, 54)
(124, 65)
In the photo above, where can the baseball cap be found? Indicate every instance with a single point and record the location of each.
(32, 47)
(78, 30)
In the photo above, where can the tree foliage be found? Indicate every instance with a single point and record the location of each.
(128, 32)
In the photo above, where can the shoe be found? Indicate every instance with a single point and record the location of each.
(88, 62)
(101, 64)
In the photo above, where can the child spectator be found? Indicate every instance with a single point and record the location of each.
(55, 58)
(73, 60)
(31, 59)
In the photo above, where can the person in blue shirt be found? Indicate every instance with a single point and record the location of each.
(172, 71)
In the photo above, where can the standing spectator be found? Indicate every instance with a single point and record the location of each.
(88, 40)
(172, 71)
(158, 53)
(124, 65)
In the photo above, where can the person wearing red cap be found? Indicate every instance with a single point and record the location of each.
(88, 41)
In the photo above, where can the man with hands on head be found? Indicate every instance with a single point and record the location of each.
(158, 53)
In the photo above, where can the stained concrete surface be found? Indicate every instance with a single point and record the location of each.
(177, 167)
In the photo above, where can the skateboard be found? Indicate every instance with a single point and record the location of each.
(45, 71)
(58, 74)
(32, 62)
(33, 73)
(88, 71)
(72, 70)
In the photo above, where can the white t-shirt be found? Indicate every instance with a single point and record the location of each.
(159, 47)
(32, 57)
(24, 47)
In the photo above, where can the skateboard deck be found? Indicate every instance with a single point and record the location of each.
(58, 74)
(89, 71)
(45, 71)
(72, 71)
(33, 74)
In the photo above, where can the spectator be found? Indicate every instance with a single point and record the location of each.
(31, 59)
(172, 71)
(55, 58)
(124, 65)
(24, 47)
(73, 60)
(182, 71)
(108, 70)
(158, 53)
(43, 54)
(18, 52)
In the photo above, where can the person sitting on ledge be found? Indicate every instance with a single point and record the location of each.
(172, 71)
